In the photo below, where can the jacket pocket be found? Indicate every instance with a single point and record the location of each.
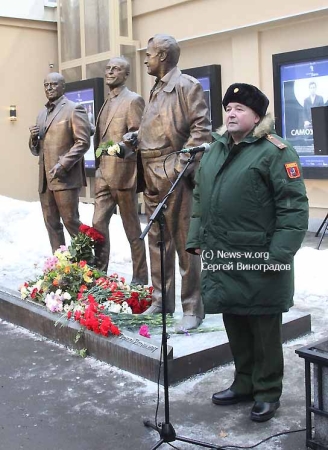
(249, 238)
(202, 235)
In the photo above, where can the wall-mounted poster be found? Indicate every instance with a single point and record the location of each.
(210, 79)
(300, 85)
(90, 94)
(85, 97)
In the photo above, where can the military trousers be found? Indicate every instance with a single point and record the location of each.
(256, 345)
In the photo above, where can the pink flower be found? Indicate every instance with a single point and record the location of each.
(144, 331)
(50, 264)
(186, 332)
(54, 302)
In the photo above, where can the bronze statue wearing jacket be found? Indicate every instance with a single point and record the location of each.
(116, 178)
(176, 116)
(60, 138)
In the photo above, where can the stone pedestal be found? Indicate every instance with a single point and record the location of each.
(188, 355)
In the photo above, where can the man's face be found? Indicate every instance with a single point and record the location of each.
(54, 87)
(152, 60)
(240, 119)
(313, 89)
(115, 73)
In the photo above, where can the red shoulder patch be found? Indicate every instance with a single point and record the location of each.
(292, 170)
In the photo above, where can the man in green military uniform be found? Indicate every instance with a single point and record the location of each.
(250, 215)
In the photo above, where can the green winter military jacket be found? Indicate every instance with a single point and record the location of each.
(250, 215)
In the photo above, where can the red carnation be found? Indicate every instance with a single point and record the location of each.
(84, 228)
(115, 330)
(95, 235)
(77, 315)
(113, 286)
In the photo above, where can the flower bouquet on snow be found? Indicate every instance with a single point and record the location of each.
(60, 281)
(70, 285)
(92, 316)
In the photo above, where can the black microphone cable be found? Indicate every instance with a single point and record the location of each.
(228, 447)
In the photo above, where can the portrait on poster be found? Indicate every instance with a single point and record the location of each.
(89, 94)
(301, 85)
(85, 97)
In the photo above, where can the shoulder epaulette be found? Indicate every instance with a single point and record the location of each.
(275, 141)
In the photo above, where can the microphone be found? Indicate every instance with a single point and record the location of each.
(193, 150)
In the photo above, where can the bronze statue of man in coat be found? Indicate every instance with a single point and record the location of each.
(60, 138)
(176, 116)
(116, 178)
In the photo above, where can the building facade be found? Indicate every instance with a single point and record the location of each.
(239, 38)
(28, 51)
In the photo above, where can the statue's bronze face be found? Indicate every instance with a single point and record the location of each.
(116, 73)
(54, 86)
(152, 60)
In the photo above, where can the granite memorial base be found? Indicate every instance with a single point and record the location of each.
(188, 354)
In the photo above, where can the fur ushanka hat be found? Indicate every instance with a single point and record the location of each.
(247, 95)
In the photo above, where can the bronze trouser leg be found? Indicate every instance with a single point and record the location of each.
(256, 345)
(128, 204)
(177, 217)
(104, 208)
(56, 205)
(105, 201)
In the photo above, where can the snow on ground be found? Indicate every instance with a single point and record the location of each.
(24, 246)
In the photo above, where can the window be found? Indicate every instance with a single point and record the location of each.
(51, 3)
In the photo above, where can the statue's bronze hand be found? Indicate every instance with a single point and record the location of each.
(131, 139)
(34, 130)
(57, 171)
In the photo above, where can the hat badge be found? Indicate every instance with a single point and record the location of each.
(236, 90)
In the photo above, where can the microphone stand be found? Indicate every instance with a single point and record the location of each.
(166, 429)
(324, 230)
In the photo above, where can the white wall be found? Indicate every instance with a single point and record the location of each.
(21, 80)
(28, 9)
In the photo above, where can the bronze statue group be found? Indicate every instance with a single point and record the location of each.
(236, 219)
